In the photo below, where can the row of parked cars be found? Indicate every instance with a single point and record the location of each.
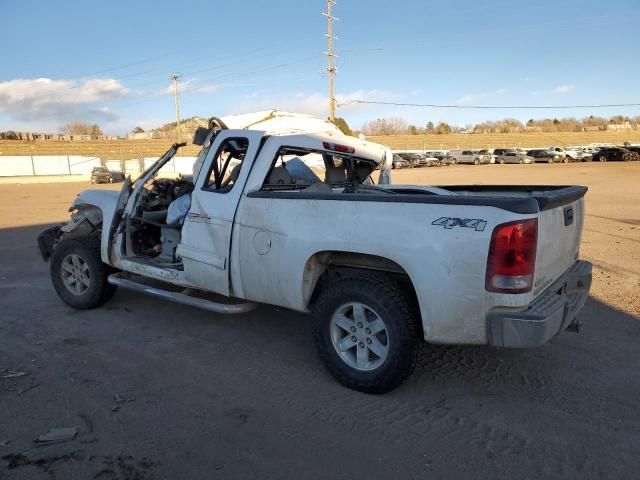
(437, 158)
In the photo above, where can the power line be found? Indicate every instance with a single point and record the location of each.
(489, 107)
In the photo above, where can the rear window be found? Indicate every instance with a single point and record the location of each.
(299, 169)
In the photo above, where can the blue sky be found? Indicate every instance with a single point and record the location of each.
(109, 62)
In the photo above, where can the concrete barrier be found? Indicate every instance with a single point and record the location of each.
(19, 180)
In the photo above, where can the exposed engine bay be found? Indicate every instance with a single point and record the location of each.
(153, 229)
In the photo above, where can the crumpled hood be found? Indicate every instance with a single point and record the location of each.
(275, 122)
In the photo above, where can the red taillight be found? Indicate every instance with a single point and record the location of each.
(338, 148)
(512, 257)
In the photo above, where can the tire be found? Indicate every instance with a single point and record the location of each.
(476, 162)
(550, 160)
(502, 161)
(565, 160)
(380, 299)
(603, 158)
(76, 293)
(521, 161)
(454, 162)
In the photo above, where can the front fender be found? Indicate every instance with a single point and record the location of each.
(105, 201)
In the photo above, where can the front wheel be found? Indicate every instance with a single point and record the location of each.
(78, 274)
(365, 332)
(565, 160)
(454, 161)
(476, 162)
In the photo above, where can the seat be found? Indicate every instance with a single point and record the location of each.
(362, 173)
(336, 175)
(279, 176)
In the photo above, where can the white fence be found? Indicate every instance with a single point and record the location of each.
(37, 165)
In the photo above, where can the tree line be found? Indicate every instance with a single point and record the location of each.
(398, 125)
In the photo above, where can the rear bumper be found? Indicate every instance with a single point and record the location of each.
(547, 316)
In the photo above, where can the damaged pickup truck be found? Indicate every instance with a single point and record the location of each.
(477, 265)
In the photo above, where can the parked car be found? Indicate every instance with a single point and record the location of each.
(101, 175)
(614, 154)
(541, 155)
(431, 160)
(415, 159)
(426, 160)
(399, 162)
(468, 157)
(478, 265)
(446, 161)
(567, 155)
(439, 154)
(499, 151)
(492, 157)
(635, 149)
(585, 155)
(513, 156)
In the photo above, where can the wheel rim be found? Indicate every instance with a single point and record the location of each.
(359, 336)
(75, 274)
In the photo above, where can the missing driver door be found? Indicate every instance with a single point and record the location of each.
(206, 235)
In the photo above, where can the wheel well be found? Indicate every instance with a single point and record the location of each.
(324, 267)
(85, 220)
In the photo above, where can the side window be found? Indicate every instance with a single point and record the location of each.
(226, 164)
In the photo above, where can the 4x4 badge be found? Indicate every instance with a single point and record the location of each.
(449, 222)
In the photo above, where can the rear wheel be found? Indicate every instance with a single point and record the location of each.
(454, 161)
(78, 274)
(476, 162)
(565, 160)
(366, 333)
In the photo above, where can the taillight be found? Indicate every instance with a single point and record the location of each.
(338, 148)
(512, 257)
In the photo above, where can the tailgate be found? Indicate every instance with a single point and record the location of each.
(559, 234)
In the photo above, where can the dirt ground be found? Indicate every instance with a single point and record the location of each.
(162, 391)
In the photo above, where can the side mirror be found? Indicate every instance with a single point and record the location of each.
(200, 136)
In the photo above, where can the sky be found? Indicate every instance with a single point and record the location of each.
(109, 62)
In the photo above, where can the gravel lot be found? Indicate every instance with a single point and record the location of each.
(159, 390)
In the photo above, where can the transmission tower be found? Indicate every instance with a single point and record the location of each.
(331, 69)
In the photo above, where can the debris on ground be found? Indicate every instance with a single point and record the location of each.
(14, 375)
(56, 435)
(118, 399)
(30, 387)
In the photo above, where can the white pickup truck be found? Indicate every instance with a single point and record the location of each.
(381, 267)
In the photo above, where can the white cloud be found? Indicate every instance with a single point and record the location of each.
(468, 99)
(312, 103)
(63, 100)
(191, 87)
(561, 89)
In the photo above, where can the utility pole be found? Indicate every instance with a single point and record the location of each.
(330, 56)
(175, 78)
